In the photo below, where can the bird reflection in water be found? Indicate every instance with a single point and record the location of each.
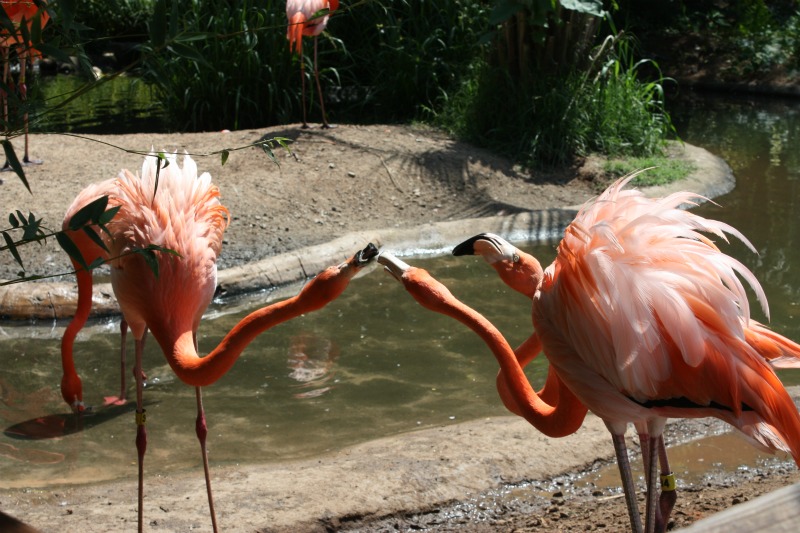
(312, 360)
(23, 411)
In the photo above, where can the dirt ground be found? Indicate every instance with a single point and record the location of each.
(336, 181)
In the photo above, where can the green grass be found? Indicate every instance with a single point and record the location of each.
(661, 170)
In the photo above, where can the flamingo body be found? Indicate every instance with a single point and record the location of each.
(184, 214)
(645, 318)
(302, 22)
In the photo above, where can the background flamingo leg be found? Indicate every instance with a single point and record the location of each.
(123, 335)
(303, 88)
(325, 124)
(23, 91)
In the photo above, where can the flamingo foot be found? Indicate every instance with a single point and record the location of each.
(27, 161)
(108, 401)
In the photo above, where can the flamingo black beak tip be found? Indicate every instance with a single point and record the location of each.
(468, 247)
(367, 254)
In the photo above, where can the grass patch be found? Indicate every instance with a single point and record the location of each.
(664, 170)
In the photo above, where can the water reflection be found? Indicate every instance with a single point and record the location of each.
(312, 361)
(112, 105)
(759, 139)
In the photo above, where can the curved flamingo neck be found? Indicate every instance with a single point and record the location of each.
(71, 386)
(547, 418)
(179, 346)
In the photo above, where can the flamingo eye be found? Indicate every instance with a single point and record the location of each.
(515, 258)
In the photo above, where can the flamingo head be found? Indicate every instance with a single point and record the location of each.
(331, 282)
(425, 289)
(72, 392)
(520, 271)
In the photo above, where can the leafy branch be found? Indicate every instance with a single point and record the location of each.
(95, 214)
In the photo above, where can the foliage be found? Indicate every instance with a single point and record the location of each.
(755, 36)
(403, 56)
(221, 64)
(548, 120)
(122, 19)
(229, 64)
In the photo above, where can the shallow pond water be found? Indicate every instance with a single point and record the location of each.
(373, 363)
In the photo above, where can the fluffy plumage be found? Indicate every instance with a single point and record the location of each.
(644, 317)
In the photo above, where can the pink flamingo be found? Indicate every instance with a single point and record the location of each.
(645, 319)
(167, 293)
(20, 12)
(305, 18)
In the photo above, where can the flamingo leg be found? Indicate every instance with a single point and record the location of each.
(23, 90)
(202, 431)
(668, 492)
(123, 335)
(4, 95)
(303, 87)
(651, 477)
(325, 124)
(141, 432)
(621, 450)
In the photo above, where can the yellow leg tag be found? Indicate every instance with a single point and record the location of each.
(668, 482)
(141, 418)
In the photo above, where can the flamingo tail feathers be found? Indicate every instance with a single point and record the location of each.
(777, 349)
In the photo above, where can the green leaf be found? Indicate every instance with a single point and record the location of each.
(91, 212)
(32, 229)
(225, 154)
(107, 215)
(92, 234)
(12, 247)
(590, 7)
(72, 251)
(188, 52)
(11, 157)
(504, 10)
(54, 51)
(174, 19)
(150, 258)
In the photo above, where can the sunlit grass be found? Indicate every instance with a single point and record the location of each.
(661, 170)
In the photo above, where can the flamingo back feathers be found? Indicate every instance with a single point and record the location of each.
(183, 214)
(640, 305)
